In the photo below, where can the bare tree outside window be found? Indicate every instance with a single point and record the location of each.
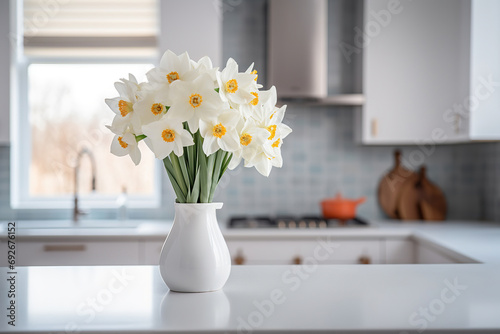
(67, 112)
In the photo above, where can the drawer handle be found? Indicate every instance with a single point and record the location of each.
(239, 259)
(64, 248)
(297, 260)
(364, 260)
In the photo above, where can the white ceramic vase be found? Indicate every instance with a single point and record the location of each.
(194, 257)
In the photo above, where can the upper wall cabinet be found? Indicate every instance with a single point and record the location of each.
(431, 71)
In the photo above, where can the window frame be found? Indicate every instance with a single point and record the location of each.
(21, 134)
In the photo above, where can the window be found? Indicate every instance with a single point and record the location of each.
(72, 54)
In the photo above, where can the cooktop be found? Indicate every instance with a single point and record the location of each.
(291, 222)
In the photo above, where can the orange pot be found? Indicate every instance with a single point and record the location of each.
(340, 208)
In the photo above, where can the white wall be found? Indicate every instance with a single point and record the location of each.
(194, 26)
(4, 71)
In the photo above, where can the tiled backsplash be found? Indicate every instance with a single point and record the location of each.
(320, 156)
(321, 159)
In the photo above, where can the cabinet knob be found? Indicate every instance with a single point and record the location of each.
(363, 259)
(239, 259)
(64, 248)
(374, 127)
(297, 260)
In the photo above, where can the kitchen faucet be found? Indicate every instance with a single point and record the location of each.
(76, 211)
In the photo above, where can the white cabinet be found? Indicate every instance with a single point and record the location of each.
(5, 41)
(325, 250)
(76, 253)
(429, 255)
(400, 251)
(431, 71)
(4, 252)
(150, 251)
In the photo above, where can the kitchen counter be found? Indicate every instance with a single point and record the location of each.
(470, 240)
(263, 299)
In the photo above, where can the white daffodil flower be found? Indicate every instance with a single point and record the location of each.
(167, 135)
(124, 144)
(172, 68)
(236, 87)
(250, 70)
(195, 101)
(123, 105)
(204, 66)
(269, 154)
(275, 150)
(252, 138)
(262, 98)
(183, 100)
(220, 132)
(151, 107)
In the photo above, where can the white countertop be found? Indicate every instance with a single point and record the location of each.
(278, 299)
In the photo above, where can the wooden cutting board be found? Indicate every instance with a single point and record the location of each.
(390, 186)
(421, 199)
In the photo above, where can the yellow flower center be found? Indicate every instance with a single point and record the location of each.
(157, 108)
(122, 143)
(219, 130)
(232, 86)
(124, 107)
(255, 100)
(195, 100)
(276, 143)
(168, 135)
(254, 72)
(172, 76)
(245, 139)
(272, 131)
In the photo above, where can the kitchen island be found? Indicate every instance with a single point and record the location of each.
(310, 298)
(140, 242)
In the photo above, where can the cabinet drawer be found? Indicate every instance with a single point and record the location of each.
(77, 253)
(150, 252)
(4, 251)
(290, 251)
(400, 251)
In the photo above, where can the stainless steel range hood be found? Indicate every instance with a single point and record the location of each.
(298, 53)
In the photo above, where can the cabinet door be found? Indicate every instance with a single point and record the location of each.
(5, 71)
(150, 252)
(399, 251)
(428, 255)
(303, 251)
(4, 252)
(75, 253)
(416, 68)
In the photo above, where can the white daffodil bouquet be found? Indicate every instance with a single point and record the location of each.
(199, 121)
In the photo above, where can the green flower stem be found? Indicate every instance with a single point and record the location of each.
(202, 160)
(179, 177)
(140, 137)
(227, 159)
(219, 158)
(194, 175)
(170, 172)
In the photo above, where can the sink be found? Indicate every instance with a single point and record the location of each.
(68, 224)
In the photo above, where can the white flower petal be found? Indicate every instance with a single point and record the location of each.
(210, 145)
(229, 142)
(135, 155)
